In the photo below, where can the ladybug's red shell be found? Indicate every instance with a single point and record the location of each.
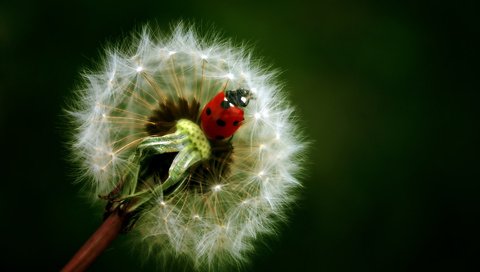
(220, 119)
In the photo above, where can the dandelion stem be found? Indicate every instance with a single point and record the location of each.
(97, 243)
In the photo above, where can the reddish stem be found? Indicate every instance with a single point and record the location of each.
(97, 243)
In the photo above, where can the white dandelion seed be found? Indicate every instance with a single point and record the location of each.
(229, 191)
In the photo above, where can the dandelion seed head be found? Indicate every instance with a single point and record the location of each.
(227, 201)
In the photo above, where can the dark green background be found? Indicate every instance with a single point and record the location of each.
(388, 94)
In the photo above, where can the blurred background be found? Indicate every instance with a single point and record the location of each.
(387, 93)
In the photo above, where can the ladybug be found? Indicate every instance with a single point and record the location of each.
(223, 115)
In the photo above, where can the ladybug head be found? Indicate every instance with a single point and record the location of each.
(239, 97)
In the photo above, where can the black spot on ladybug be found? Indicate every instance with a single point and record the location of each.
(225, 104)
(235, 123)
(221, 123)
(208, 111)
(219, 137)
